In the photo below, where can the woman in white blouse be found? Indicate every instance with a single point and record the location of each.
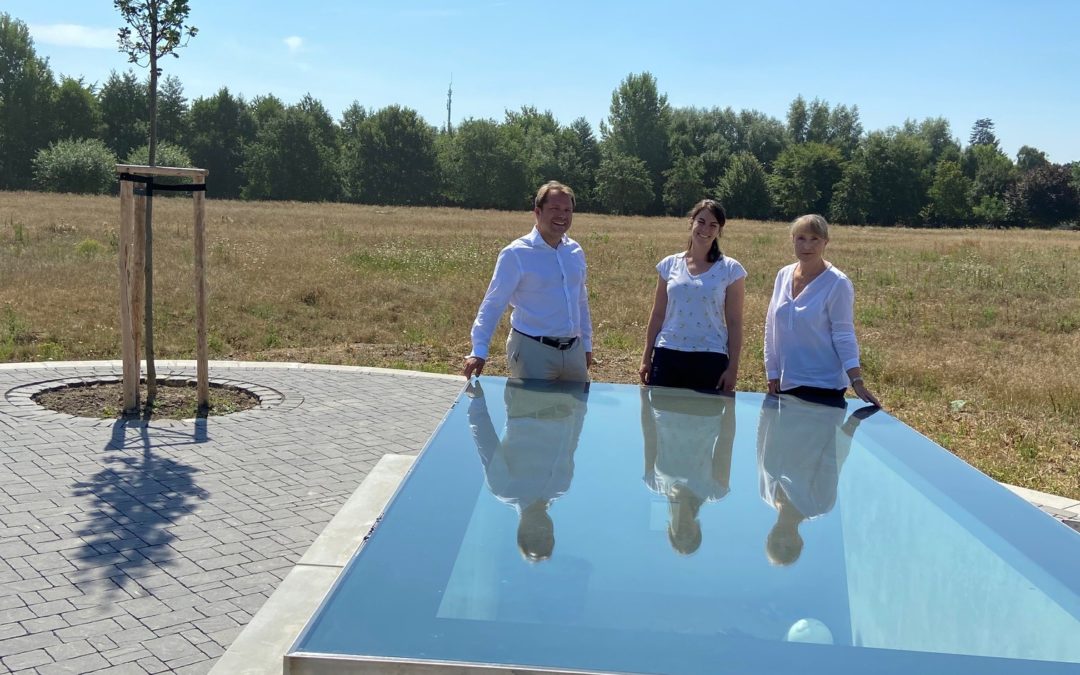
(695, 334)
(810, 345)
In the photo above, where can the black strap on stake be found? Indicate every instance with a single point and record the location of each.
(151, 186)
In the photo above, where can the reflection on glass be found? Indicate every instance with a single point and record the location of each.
(532, 464)
(688, 438)
(801, 447)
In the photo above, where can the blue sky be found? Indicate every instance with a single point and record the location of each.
(1016, 62)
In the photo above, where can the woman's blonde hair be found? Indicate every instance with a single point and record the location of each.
(815, 223)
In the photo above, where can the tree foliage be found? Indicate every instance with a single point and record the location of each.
(294, 156)
(483, 167)
(577, 154)
(391, 159)
(1044, 196)
(684, 184)
(744, 190)
(1028, 158)
(123, 103)
(803, 178)
(155, 28)
(76, 110)
(982, 133)
(816, 160)
(637, 126)
(623, 184)
(27, 91)
(221, 127)
(83, 166)
(950, 195)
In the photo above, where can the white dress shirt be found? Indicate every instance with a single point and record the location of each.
(546, 287)
(810, 340)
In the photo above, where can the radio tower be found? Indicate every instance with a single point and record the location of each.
(449, 98)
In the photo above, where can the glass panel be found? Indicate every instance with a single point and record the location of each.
(620, 528)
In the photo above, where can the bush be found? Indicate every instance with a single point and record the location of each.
(83, 166)
(167, 155)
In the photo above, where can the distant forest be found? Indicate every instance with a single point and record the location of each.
(646, 158)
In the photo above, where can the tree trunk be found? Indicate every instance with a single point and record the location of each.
(148, 315)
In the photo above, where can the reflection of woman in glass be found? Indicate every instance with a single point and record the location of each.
(688, 441)
(801, 447)
(533, 463)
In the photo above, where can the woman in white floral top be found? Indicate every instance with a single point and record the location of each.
(695, 334)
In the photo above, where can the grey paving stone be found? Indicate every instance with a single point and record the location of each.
(115, 525)
(70, 650)
(82, 664)
(31, 659)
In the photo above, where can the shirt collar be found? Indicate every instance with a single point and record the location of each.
(535, 239)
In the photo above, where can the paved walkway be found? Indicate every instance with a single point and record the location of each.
(131, 547)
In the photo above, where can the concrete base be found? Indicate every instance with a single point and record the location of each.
(260, 648)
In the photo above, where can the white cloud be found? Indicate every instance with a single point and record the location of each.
(72, 35)
(294, 43)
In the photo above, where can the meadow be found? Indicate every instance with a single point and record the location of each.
(971, 337)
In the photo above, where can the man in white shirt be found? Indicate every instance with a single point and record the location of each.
(542, 275)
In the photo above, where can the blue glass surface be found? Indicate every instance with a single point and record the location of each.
(615, 528)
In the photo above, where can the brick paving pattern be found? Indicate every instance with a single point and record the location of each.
(133, 547)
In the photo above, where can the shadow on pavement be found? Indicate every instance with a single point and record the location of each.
(135, 500)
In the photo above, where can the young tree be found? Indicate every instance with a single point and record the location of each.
(155, 28)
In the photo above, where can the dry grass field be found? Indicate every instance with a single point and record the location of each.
(970, 336)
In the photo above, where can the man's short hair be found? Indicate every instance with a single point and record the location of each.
(553, 186)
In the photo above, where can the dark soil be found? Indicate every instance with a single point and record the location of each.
(175, 401)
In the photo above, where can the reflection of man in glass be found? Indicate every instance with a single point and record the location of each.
(801, 446)
(533, 463)
(688, 440)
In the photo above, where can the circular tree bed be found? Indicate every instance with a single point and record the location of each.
(176, 400)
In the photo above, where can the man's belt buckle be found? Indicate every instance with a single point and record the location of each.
(562, 344)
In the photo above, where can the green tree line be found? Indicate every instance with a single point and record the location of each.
(647, 157)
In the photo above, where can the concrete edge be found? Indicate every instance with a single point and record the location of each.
(260, 647)
(1045, 499)
(33, 365)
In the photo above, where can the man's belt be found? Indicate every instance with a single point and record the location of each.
(560, 343)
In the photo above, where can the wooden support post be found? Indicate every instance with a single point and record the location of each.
(127, 346)
(133, 269)
(201, 349)
(137, 274)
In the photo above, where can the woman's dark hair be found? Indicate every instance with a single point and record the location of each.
(717, 210)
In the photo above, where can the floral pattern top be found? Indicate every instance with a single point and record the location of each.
(694, 320)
